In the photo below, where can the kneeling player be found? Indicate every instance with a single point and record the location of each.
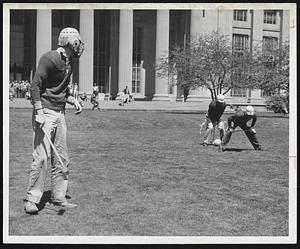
(240, 118)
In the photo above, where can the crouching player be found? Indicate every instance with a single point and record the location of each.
(241, 118)
(213, 118)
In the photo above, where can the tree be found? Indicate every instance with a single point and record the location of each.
(273, 77)
(209, 61)
(272, 67)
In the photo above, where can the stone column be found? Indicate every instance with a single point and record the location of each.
(285, 27)
(196, 17)
(43, 33)
(162, 48)
(86, 61)
(125, 49)
(257, 39)
(257, 28)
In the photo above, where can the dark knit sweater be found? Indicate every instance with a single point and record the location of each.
(50, 83)
(215, 110)
(241, 118)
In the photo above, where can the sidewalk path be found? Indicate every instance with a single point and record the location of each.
(191, 107)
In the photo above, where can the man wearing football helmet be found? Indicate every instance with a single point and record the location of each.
(50, 93)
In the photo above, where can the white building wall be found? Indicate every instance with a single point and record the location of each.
(286, 23)
(207, 21)
(86, 61)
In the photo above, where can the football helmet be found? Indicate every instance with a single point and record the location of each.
(70, 37)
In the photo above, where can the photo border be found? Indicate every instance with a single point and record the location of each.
(290, 239)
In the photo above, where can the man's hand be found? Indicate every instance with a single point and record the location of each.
(210, 125)
(77, 106)
(230, 129)
(40, 118)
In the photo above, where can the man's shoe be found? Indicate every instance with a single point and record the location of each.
(30, 207)
(65, 204)
(258, 148)
(204, 144)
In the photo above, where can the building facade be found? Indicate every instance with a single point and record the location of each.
(122, 46)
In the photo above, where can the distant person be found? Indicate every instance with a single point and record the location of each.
(95, 88)
(241, 118)
(75, 91)
(11, 92)
(95, 101)
(17, 85)
(28, 95)
(127, 96)
(23, 89)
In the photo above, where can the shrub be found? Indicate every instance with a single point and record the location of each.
(278, 103)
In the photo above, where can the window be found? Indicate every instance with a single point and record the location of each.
(137, 57)
(101, 49)
(62, 19)
(22, 44)
(265, 93)
(240, 15)
(136, 79)
(240, 42)
(270, 16)
(238, 92)
(270, 43)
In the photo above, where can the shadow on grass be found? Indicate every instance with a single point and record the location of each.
(45, 198)
(236, 149)
(45, 204)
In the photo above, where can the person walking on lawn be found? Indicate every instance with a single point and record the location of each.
(50, 93)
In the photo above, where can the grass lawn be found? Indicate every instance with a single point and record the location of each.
(145, 174)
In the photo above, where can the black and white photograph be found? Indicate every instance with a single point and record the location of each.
(145, 123)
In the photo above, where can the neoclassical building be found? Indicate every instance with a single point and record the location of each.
(121, 46)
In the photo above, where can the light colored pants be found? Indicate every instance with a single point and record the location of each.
(209, 133)
(43, 156)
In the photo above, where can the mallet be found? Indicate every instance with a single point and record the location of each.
(63, 168)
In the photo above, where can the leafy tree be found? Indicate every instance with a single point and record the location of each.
(272, 70)
(209, 61)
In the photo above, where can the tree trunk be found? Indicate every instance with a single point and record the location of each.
(211, 94)
(185, 93)
(227, 90)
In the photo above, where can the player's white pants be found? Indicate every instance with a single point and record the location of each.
(43, 157)
(209, 133)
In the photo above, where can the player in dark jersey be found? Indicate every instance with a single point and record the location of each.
(50, 93)
(213, 118)
(241, 118)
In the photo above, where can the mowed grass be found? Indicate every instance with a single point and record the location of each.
(145, 174)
